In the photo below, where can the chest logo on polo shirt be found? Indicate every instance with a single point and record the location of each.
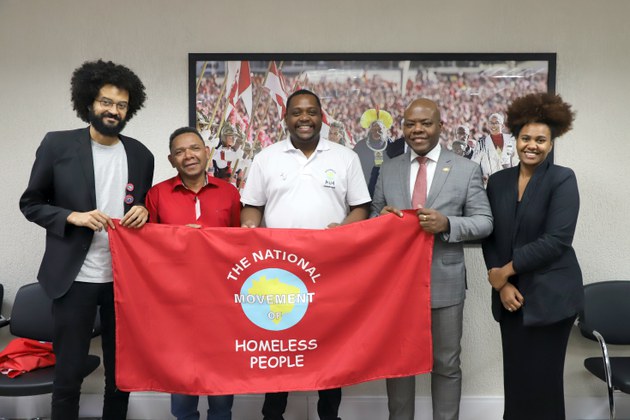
(329, 181)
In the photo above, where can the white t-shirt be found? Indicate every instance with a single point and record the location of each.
(110, 179)
(300, 192)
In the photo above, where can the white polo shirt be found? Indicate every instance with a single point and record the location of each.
(305, 193)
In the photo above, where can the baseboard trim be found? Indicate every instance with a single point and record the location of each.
(303, 406)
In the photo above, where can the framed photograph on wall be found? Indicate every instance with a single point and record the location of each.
(237, 100)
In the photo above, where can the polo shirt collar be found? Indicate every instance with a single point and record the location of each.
(178, 183)
(322, 144)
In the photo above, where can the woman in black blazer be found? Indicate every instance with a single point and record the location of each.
(531, 264)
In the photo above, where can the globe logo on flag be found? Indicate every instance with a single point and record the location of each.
(274, 299)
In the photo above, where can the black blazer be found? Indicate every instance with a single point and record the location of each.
(62, 181)
(536, 235)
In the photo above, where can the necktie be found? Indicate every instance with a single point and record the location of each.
(419, 195)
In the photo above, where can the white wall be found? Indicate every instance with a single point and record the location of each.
(42, 41)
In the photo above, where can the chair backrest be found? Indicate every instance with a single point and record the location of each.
(31, 316)
(607, 310)
(3, 320)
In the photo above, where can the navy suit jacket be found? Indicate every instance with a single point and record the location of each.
(536, 235)
(62, 181)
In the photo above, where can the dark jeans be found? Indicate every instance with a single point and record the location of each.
(73, 318)
(184, 407)
(327, 406)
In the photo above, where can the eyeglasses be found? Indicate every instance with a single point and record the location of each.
(108, 103)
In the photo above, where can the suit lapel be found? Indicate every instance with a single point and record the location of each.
(442, 171)
(403, 174)
(84, 147)
(504, 196)
(133, 178)
(530, 192)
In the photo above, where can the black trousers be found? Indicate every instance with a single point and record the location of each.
(533, 368)
(73, 318)
(327, 406)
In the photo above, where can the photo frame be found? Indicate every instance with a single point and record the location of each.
(237, 100)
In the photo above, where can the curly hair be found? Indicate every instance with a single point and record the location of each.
(545, 108)
(91, 76)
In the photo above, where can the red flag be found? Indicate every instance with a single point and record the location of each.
(235, 311)
(233, 95)
(232, 69)
(245, 87)
(275, 85)
(239, 86)
(232, 98)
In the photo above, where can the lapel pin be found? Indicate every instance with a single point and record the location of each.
(446, 169)
(129, 187)
(128, 199)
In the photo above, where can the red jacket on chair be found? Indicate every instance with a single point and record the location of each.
(23, 355)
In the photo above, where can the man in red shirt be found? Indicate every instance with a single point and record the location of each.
(195, 199)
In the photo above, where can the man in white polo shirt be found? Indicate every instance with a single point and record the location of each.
(304, 182)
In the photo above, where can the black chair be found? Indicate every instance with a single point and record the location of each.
(3, 321)
(606, 319)
(31, 317)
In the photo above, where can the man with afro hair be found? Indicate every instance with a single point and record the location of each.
(81, 180)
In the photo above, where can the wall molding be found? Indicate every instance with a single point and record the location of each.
(303, 406)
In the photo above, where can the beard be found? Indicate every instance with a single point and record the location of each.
(97, 121)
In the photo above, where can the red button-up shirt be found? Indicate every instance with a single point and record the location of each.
(170, 202)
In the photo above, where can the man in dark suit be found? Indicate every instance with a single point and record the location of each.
(452, 204)
(81, 180)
